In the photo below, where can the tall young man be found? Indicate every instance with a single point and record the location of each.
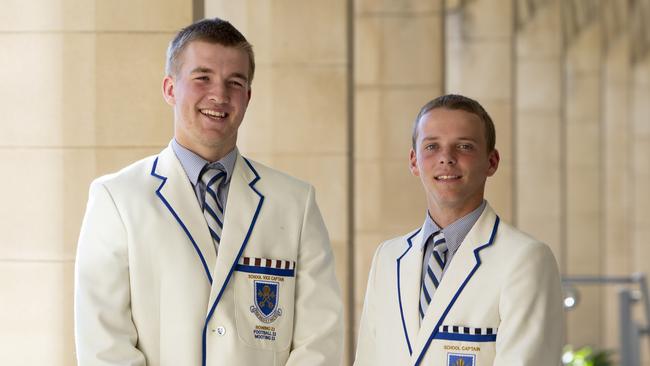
(197, 255)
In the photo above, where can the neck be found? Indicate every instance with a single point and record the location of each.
(210, 153)
(445, 216)
(214, 154)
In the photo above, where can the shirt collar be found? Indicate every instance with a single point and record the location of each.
(455, 232)
(193, 164)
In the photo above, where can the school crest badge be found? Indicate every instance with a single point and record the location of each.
(460, 360)
(266, 298)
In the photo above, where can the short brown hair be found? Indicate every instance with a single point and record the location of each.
(459, 102)
(215, 30)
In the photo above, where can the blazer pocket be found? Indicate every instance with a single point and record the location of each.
(264, 302)
(468, 334)
(468, 346)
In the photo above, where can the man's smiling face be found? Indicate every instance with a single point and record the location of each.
(452, 160)
(210, 93)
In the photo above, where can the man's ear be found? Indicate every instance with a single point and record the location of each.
(168, 90)
(493, 161)
(413, 163)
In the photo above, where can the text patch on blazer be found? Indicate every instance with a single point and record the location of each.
(264, 293)
(466, 346)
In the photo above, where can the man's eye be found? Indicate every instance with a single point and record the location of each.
(430, 147)
(236, 83)
(465, 146)
(202, 78)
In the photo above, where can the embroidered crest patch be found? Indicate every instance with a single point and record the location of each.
(266, 298)
(454, 359)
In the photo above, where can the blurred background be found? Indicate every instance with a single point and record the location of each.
(337, 86)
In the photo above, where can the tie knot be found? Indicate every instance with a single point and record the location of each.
(212, 173)
(439, 243)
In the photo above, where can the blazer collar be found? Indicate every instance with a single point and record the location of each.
(244, 203)
(461, 270)
(408, 268)
(177, 194)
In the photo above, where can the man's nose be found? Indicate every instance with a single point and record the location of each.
(447, 156)
(219, 94)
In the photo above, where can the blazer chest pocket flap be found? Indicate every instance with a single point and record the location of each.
(264, 302)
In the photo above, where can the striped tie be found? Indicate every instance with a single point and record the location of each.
(435, 265)
(213, 177)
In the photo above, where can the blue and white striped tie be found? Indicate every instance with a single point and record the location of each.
(435, 265)
(213, 177)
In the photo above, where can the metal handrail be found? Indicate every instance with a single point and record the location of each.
(630, 331)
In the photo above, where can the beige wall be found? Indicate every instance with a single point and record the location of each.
(333, 103)
(398, 68)
(80, 97)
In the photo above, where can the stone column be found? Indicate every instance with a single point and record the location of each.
(640, 145)
(479, 64)
(616, 163)
(640, 151)
(398, 52)
(81, 97)
(539, 122)
(581, 170)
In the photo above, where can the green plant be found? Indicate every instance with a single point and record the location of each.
(586, 356)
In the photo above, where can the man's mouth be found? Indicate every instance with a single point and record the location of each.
(213, 114)
(446, 177)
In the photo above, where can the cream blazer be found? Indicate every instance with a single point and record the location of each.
(499, 303)
(151, 290)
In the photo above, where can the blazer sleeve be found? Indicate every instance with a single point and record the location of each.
(531, 328)
(318, 315)
(104, 331)
(367, 343)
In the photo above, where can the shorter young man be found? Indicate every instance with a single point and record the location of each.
(465, 288)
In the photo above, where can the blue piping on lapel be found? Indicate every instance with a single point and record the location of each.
(460, 289)
(178, 219)
(399, 291)
(241, 250)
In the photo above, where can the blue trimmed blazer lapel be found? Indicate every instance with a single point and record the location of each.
(408, 267)
(461, 270)
(242, 209)
(177, 194)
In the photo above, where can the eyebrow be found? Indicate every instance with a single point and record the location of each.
(202, 70)
(207, 70)
(434, 138)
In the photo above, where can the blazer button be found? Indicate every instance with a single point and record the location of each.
(221, 330)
